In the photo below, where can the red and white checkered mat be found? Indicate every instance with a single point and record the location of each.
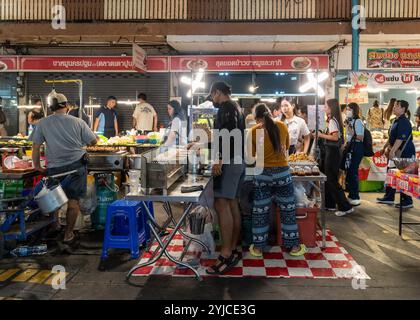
(333, 262)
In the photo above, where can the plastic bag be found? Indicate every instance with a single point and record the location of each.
(302, 200)
(206, 238)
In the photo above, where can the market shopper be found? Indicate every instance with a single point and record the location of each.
(297, 127)
(107, 119)
(35, 115)
(176, 132)
(228, 172)
(332, 142)
(417, 115)
(3, 120)
(64, 136)
(74, 111)
(389, 113)
(399, 145)
(276, 110)
(375, 117)
(275, 183)
(144, 117)
(354, 152)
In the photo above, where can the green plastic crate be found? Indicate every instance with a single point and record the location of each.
(371, 186)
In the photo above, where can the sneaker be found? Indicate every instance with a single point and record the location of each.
(331, 209)
(344, 213)
(354, 202)
(385, 201)
(404, 206)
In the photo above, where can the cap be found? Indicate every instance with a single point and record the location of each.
(61, 98)
(221, 86)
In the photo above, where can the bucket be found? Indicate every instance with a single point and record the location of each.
(197, 223)
(51, 199)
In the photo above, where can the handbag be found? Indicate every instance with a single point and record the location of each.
(399, 153)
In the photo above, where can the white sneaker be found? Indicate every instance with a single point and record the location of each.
(354, 203)
(344, 213)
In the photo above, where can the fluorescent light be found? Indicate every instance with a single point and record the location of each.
(235, 99)
(29, 106)
(413, 91)
(270, 100)
(127, 102)
(314, 83)
(93, 106)
(343, 85)
(374, 90)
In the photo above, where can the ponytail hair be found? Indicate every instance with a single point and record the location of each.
(264, 113)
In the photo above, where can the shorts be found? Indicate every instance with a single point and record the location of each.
(74, 185)
(228, 185)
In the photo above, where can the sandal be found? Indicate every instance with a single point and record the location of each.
(227, 262)
(237, 257)
(301, 252)
(253, 253)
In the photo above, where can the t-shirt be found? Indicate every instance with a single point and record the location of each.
(107, 118)
(272, 159)
(297, 128)
(179, 127)
(144, 114)
(375, 118)
(402, 130)
(230, 117)
(357, 124)
(65, 136)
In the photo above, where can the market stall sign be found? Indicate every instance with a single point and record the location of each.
(8, 63)
(249, 63)
(393, 58)
(380, 160)
(89, 64)
(402, 80)
(351, 95)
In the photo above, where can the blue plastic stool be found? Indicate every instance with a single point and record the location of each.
(124, 227)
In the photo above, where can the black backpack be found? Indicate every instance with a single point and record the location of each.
(367, 141)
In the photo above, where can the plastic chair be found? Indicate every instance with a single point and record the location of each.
(124, 227)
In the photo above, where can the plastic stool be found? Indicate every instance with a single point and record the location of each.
(121, 213)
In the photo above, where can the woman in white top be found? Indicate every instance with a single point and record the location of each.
(176, 132)
(296, 126)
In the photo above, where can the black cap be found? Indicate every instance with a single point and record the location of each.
(221, 86)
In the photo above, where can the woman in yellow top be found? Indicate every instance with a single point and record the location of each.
(274, 183)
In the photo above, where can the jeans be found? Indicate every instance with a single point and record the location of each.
(352, 176)
(334, 195)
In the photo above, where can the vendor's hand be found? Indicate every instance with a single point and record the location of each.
(217, 169)
(391, 155)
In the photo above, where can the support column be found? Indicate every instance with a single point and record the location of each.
(355, 36)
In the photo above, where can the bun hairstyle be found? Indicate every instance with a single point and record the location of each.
(263, 112)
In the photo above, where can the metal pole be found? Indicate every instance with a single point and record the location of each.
(355, 37)
(81, 107)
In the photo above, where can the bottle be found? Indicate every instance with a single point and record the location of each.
(25, 251)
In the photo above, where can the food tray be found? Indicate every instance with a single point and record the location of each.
(303, 163)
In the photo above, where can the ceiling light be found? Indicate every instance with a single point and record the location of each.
(314, 83)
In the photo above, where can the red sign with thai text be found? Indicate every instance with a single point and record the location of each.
(380, 160)
(8, 63)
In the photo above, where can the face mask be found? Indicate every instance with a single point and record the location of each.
(349, 114)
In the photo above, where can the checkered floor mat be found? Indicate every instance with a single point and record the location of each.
(333, 262)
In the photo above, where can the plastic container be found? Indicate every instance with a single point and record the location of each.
(307, 222)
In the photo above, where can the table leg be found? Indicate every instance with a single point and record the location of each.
(164, 246)
(201, 243)
(323, 216)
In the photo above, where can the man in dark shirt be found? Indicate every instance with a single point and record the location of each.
(74, 111)
(106, 119)
(228, 172)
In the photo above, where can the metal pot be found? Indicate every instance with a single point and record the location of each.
(134, 162)
(51, 199)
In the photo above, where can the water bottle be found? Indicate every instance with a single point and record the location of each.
(25, 251)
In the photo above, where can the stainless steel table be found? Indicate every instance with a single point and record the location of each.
(314, 180)
(204, 198)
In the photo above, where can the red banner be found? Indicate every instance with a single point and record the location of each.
(8, 63)
(250, 63)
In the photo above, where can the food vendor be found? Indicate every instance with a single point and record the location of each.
(107, 119)
(74, 111)
(375, 117)
(35, 115)
(3, 120)
(64, 136)
(400, 145)
(297, 127)
(176, 132)
(144, 117)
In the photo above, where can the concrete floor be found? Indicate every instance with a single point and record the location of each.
(370, 235)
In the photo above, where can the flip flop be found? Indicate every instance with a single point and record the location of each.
(222, 262)
(253, 253)
(301, 251)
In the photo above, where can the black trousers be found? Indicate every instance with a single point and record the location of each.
(334, 193)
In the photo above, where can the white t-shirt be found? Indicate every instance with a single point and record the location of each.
(297, 128)
(144, 114)
(333, 126)
(180, 129)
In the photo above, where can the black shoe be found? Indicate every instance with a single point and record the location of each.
(404, 205)
(385, 200)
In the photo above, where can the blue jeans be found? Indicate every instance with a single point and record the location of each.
(352, 176)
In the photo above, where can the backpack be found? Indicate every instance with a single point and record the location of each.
(367, 141)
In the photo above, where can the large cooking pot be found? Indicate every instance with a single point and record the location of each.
(134, 162)
(51, 199)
